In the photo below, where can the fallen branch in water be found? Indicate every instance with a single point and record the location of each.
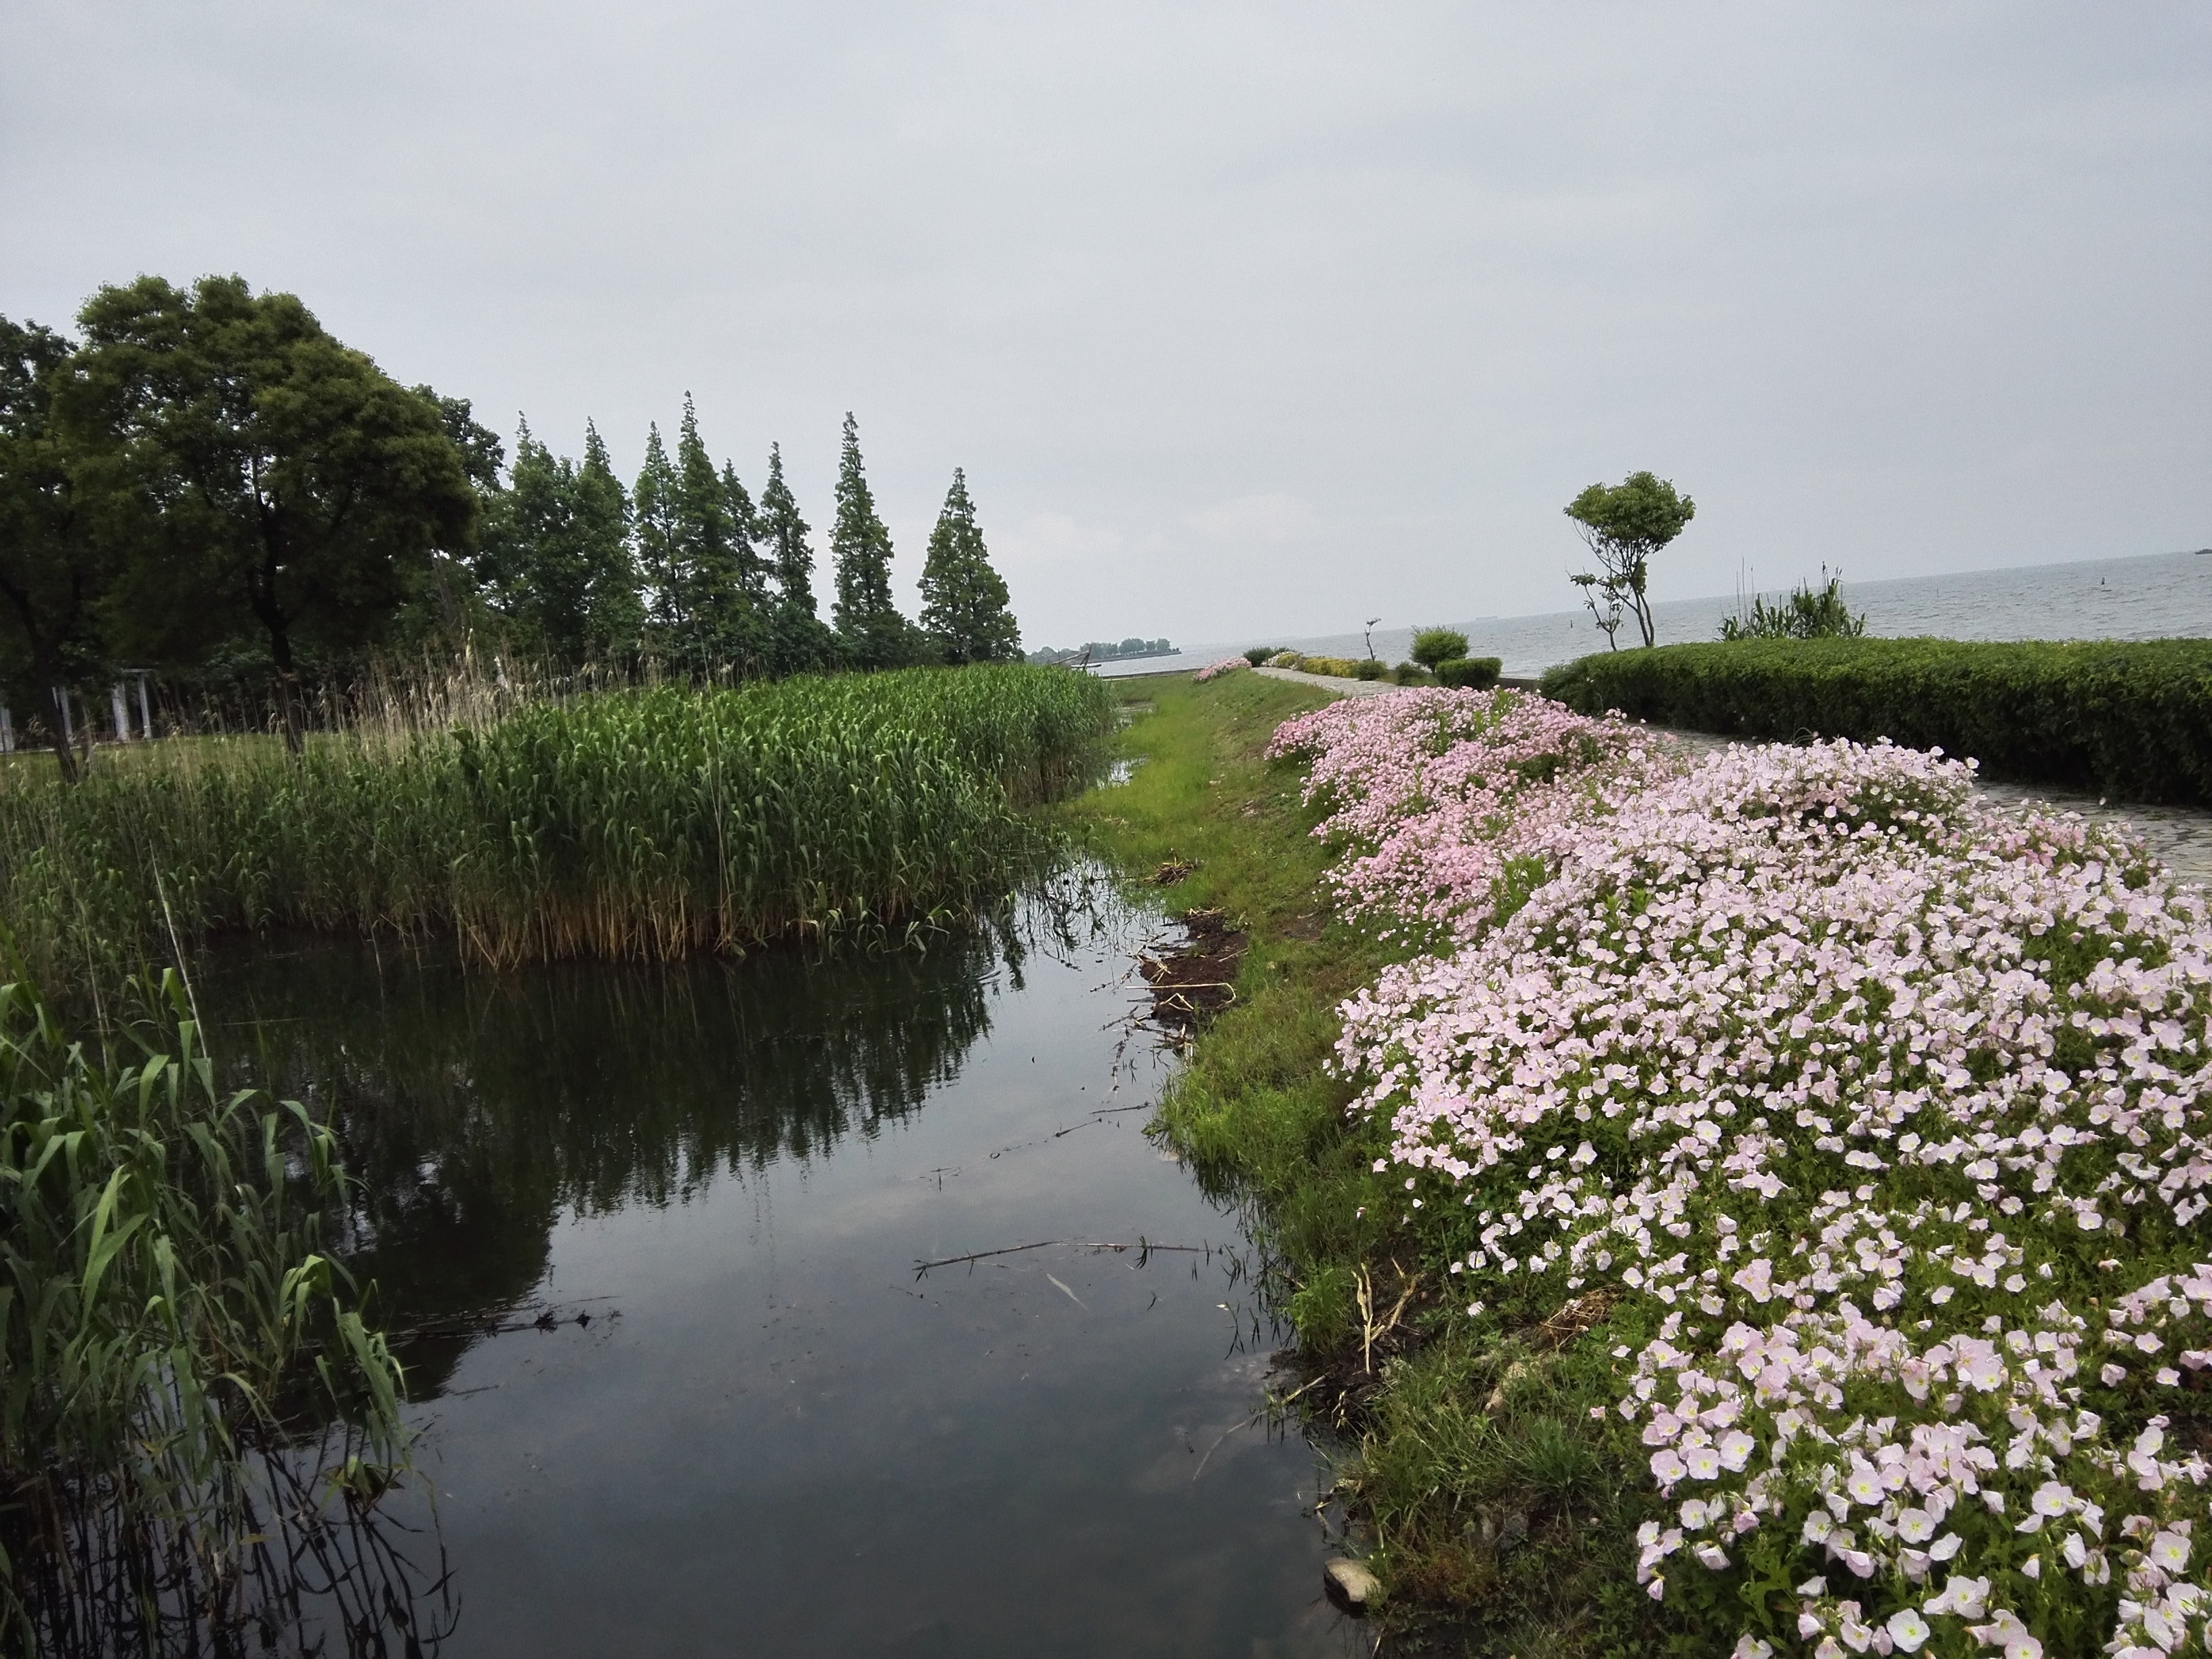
(1143, 1247)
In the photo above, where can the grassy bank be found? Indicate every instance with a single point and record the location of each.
(648, 824)
(1499, 1521)
(1772, 1212)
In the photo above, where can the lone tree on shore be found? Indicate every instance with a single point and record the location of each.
(963, 600)
(1623, 526)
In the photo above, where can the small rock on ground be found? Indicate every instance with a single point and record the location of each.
(1350, 1585)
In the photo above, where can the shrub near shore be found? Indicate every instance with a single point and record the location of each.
(1831, 1141)
(647, 825)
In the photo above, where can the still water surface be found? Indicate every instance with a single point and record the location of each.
(773, 1437)
(2157, 596)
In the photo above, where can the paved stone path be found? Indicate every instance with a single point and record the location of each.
(1330, 682)
(2182, 836)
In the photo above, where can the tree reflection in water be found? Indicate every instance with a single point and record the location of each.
(476, 1108)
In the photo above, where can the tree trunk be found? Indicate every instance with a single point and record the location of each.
(287, 689)
(64, 751)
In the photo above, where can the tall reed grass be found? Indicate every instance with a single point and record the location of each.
(167, 1323)
(646, 824)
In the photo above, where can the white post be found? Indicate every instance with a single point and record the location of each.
(69, 726)
(145, 715)
(121, 709)
(7, 730)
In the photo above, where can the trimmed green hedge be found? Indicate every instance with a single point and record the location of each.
(2131, 719)
(1470, 674)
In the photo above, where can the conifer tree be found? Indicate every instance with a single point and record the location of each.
(656, 513)
(712, 558)
(752, 640)
(871, 631)
(798, 640)
(614, 615)
(963, 600)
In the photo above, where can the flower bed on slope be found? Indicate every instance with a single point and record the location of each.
(1872, 1116)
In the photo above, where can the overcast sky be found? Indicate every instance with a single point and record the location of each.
(1241, 319)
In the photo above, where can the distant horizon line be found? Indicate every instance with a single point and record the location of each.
(1204, 647)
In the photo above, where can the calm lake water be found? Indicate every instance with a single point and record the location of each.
(773, 1437)
(2161, 596)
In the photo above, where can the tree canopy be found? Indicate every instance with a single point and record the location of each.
(295, 490)
(963, 600)
(871, 631)
(1623, 524)
(207, 484)
(58, 557)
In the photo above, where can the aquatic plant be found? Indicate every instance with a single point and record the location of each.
(1866, 1121)
(166, 1318)
(643, 825)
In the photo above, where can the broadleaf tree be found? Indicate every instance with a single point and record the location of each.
(963, 600)
(1623, 526)
(301, 491)
(58, 559)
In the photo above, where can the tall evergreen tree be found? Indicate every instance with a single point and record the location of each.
(963, 600)
(556, 558)
(871, 632)
(614, 612)
(707, 561)
(656, 514)
(797, 639)
(750, 571)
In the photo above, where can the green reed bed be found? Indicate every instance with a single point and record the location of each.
(646, 824)
(171, 1338)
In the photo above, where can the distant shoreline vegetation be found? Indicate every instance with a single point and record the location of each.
(206, 499)
(1102, 651)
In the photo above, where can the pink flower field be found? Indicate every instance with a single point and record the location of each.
(1876, 1114)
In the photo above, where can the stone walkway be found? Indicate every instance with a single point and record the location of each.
(1330, 682)
(2182, 836)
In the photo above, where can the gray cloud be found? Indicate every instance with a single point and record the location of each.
(1241, 319)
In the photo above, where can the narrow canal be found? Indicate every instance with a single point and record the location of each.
(748, 1424)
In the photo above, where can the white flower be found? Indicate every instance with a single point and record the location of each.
(2170, 1552)
(1907, 1629)
(1966, 1597)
